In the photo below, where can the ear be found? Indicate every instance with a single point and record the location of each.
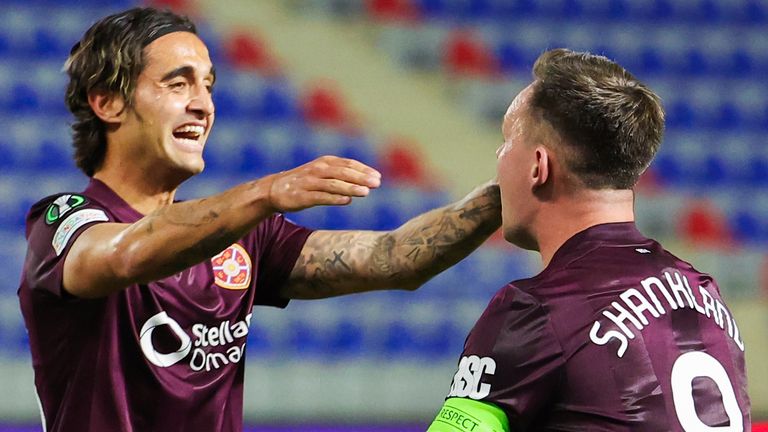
(540, 169)
(108, 106)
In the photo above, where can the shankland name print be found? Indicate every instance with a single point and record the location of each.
(672, 289)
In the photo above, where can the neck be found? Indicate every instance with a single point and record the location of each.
(562, 219)
(140, 190)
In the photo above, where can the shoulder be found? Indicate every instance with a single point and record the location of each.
(55, 208)
(53, 225)
(513, 342)
(57, 217)
(516, 315)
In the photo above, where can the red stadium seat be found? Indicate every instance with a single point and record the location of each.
(392, 10)
(465, 55)
(702, 224)
(247, 51)
(175, 5)
(322, 104)
(401, 163)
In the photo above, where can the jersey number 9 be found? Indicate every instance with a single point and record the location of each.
(695, 364)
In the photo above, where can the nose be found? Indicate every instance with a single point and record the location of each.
(202, 101)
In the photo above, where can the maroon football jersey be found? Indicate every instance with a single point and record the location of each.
(616, 334)
(163, 356)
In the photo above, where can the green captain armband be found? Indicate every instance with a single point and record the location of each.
(467, 415)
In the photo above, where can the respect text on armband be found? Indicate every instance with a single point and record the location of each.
(458, 418)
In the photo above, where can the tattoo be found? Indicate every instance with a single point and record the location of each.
(342, 262)
(215, 241)
(414, 254)
(189, 249)
(337, 259)
(322, 263)
(381, 255)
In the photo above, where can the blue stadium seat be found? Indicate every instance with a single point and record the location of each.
(727, 116)
(24, 98)
(754, 12)
(662, 10)
(52, 157)
(713, 172)
(48, 45)
(227, 104)
(399, 339)
(747, 227)
(347, 339)
(19, 342)
(357, 147)
(651, 62)
(19, 215)
(8, 158)
(253, 159)
(474, 10)
(680, 115)
(618, 10)
(432, 9)
(5, 46)
(668, 169)
(570, 9)
(740, 63)
(757, 172)
(524, 8)
(277, 104)
(303, 150)
(338, 218)
(706, 12)
(762, 119)
(305, 338)
(512, 60)
(695, 63)
(259, 340)
(440, 341)
(9, 217)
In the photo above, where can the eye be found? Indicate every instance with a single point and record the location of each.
(177, 85)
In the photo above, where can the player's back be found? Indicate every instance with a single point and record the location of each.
(647, 343)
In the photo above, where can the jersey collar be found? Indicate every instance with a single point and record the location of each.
(615, 233)
(99, 191)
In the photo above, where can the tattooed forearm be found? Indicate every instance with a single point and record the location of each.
(192, 215)
(441, 238)
(324, 263)
(335, 263)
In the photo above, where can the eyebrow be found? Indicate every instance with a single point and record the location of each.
(186, 71)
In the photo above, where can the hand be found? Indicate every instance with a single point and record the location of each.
(327, 180)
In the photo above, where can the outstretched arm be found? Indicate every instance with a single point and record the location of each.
(179, 235)
(334, 263)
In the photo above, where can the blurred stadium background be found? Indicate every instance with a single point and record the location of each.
(417, 89)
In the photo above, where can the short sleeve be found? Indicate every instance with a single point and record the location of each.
(512, 358)
(53, 225)
(278, 243)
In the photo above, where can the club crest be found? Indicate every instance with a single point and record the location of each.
(232, 268)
